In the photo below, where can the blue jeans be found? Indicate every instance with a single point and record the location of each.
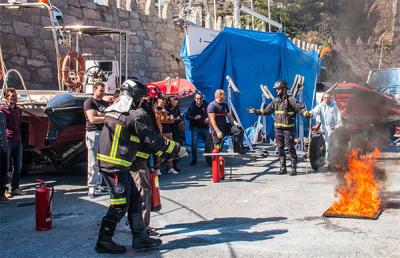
(15, 163)
(195, 134)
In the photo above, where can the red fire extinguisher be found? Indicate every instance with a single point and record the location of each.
(44, 197)
(215, 166)
(221, 162)
(155, 191)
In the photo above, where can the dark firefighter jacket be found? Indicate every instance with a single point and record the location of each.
(285, 111)
(121, 137)
(145, 116)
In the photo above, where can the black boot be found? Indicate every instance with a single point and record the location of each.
(282, 170)
(140, 238)
(105, 244)
(293, 171)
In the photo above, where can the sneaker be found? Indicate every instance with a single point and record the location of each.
(158, 172)
(172, 171)
(92, 193)
(102, 189)
(194, 162)
(18, 192)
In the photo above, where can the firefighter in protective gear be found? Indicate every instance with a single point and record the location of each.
(285, 109)
(119, 141)
(139, 169)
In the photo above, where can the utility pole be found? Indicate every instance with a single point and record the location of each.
(159, 8)
(269, 15)
(236, 13)
(215, 15)
(252, 17)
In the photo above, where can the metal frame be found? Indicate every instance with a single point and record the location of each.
(79, 30)
(232, 86)
(347, 216)
(49, 8)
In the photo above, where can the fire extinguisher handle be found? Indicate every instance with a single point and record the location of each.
(51, 199)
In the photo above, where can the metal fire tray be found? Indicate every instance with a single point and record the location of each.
(347, 216)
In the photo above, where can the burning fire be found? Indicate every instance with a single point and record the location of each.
(359, 195)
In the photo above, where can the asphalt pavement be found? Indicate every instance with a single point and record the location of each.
(253, 213)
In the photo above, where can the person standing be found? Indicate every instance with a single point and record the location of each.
(139, 169)
(223, 123)
(285, 108)
(165, 120)
(13, 115)
(197, 116)
(120, 139)
(329, 116)
(3, 157)
(94, 113)
(178, 127)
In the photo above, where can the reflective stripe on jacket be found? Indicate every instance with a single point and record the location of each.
(285, 109)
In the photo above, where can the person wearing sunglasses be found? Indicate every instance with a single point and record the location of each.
(197, 115)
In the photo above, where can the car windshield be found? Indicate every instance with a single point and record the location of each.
(386, 81)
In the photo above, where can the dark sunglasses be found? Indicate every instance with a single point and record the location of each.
(199, 98)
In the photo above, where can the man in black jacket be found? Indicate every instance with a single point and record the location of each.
(197, 115)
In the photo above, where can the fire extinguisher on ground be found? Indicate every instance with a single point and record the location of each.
(43, 198)
(221, 162)
(155, 191)
(215, 166)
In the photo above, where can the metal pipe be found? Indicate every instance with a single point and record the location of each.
(269, 15)
(126, 56)
(120, 59)
(21, 79)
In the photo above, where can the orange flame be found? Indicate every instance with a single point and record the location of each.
(359, 195)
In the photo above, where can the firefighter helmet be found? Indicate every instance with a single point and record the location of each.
(134, 89)
(282, 85)
(132, 92)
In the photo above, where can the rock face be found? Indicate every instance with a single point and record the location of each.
(153, 51)
(365, 31)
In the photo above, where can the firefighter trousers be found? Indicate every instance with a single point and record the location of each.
(141, 176)
(285, 136)
(124, 196)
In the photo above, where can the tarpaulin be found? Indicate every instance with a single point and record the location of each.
(251, 58)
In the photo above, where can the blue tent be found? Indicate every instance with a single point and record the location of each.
(251, 58)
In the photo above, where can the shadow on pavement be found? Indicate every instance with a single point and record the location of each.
(229, 230)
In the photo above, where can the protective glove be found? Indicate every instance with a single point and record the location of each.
(257, 112)
(182, 152)
(236, 124)
(308, 114)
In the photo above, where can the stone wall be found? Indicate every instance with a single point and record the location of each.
(154, 52)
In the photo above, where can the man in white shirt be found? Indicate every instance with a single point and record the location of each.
(329, 116)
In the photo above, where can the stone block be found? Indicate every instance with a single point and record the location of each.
(91, 14)
(76, 11)
(148, 44)
(74, 3)
(23, 49)
(18, 60)
(39, 54)
(135, 25)
(6, 29)
(45, 74)
(124, 24)
(69, 19)
(138, 49)
(23, 29)
(35, 62)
